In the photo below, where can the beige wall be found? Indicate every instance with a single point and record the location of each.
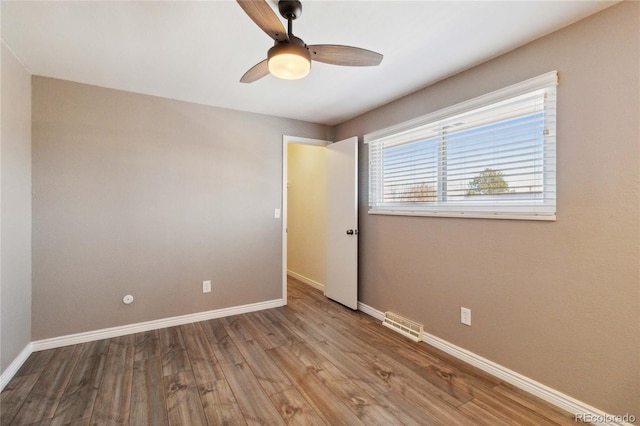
(306, 211)
(147, 196)
(15, 215)
(558, 302)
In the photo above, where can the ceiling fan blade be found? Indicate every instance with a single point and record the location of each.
(260, 12)
(344, 55)
(256, 72)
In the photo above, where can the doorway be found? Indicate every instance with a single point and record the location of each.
(304, 212)
(333, 254)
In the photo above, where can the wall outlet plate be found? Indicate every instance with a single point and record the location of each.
(206, 286)
(465, 316)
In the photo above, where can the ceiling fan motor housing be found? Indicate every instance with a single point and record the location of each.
(290, 9)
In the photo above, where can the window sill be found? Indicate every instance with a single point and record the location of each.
(549, 217)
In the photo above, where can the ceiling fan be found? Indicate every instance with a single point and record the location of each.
(290, 58)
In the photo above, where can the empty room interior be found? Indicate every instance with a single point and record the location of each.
(433, 218)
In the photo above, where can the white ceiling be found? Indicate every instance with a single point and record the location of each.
(197, 51)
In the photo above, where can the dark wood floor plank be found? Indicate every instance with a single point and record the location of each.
(276, 319)
(214, 330)
(270, 376)
(481, 416)
(204, 364)
(402, 410)
(114, 395)
(295, 410)
(14, 395)
(267, 336)
(148, 399)
(364, 406)
(382, 362)
(174, 353)
(545, 409)
(80, 394)
(253, 401)
(226, 352)
(45, 396)
(147, 345)
(292, 322)
(508, 410)
(36, 363)
(236, 327)
(356, 370)
(327, 405)
(458, 382)
(183, 401)
(219, 404)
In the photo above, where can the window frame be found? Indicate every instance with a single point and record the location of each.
(423, 127)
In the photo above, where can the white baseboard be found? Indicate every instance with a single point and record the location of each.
(106, 333)
(550, 395)
(306, 280)
(15, 365)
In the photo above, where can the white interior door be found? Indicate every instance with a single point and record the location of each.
(342, 222)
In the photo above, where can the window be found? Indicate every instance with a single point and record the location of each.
(491, 157)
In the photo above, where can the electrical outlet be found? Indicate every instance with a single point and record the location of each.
(206, 286)
(465, 316)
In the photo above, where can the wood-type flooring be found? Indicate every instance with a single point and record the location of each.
(312, 362)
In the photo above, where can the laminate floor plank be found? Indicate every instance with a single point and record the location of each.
(114, 395)
(42, 401)
(36, 363)
(174, 354)
(226, 352)
(449, 380)
(259, 332)
(253, 401)
(537, 405)
(204, 364)
(290, 320)
(219, 404)
(481, 416)
(148, 398)
(310, 362)
(80, 394)
(441, 406)
(183, 400)
(508, 410)
(368, 410)
(214, 330)
(147, 345)
(295, 410)
(14, 395)
(373, 381)
(270, 376)
(384, 363)
(328, 405)
(237, 328)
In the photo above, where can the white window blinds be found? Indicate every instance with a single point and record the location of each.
(493, 156)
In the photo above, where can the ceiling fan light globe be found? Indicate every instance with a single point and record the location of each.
(289, 62)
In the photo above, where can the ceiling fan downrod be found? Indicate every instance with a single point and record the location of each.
(290, 10)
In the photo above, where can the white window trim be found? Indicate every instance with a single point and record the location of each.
(413, 126)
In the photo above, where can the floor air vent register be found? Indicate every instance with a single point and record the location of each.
(404, 326)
